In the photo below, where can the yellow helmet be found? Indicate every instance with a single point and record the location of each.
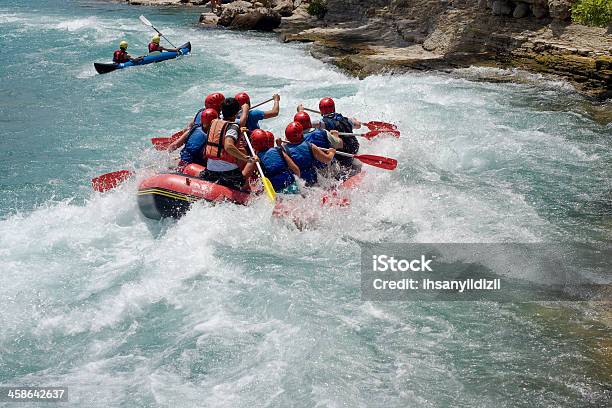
(155, 39)
(123, 45)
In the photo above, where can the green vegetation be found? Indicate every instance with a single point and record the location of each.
(592, 12)
(317, 8)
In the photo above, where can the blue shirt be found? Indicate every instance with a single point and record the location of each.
(252, 122)
(193, 152)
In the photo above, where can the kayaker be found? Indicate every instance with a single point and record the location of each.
(305, 154)
(276, 164)
(194, 140)
(120, 56)
(332, 120)
(251, 121)
(155, 46)
(212, 101)
(222, 152)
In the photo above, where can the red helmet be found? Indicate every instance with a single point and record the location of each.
(243, 98)
(326, 106)
(208, 116)
(214, 101)
(293, 132)
(261, 140)
(303, 119)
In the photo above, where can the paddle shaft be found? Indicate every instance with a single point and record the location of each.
(145, 21)
(246, 138)
(312, 110)
(262, 103)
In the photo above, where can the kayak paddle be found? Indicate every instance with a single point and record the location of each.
(373, 133)
(148, 24)
(267, 184)
(109, 181)
(372, 125)
(162, 143)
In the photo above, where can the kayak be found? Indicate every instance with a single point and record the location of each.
(170, 195)
(103, 68)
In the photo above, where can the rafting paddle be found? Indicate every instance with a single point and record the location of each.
(372, 125)
(373, 133)
(267, 184)
(148, 24)
(386, 163)
(382, 162)
(109, 181)
(162, 143)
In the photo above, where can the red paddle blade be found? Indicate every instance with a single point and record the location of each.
(161, 143)
(377, 161)
(374, 133)
(109, 181)
(177, 135)
(377, 125)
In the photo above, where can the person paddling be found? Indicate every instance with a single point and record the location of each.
(155, 46)
(194, 140)
(120, 56)
(304, 153)
(251, 121)
(320, 138)
(276, 164)
(222, 152)
(212, 101)
(332, 120)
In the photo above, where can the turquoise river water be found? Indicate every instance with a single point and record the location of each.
(226, 308)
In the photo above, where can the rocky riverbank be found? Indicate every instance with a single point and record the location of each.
(365, 37)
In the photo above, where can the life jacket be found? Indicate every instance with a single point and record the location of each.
(197, 119)
(216, 140)
(318, 137)
(120, 56)
(302, 155)
(335, 121)
(275, 167)
(194, 145)
(153, 47)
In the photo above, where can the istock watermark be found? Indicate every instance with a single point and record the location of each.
(494, 272)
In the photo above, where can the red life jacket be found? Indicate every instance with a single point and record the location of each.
(153, 47)
(216, 141)
(120, 56)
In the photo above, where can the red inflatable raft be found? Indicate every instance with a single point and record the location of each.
(171, 194)
(167, 195)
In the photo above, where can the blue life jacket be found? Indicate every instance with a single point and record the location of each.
(193, 151)
(301, 154)
(318, 137)
(275, 168)
(197, 119)
(335, 121)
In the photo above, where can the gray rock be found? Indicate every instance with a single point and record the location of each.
(560, 10)
(209, 19)
(482, 4)
(521, 10)
(284, 8)
(501, 8)
(539, 11)
(231, 10)
(261, 19)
